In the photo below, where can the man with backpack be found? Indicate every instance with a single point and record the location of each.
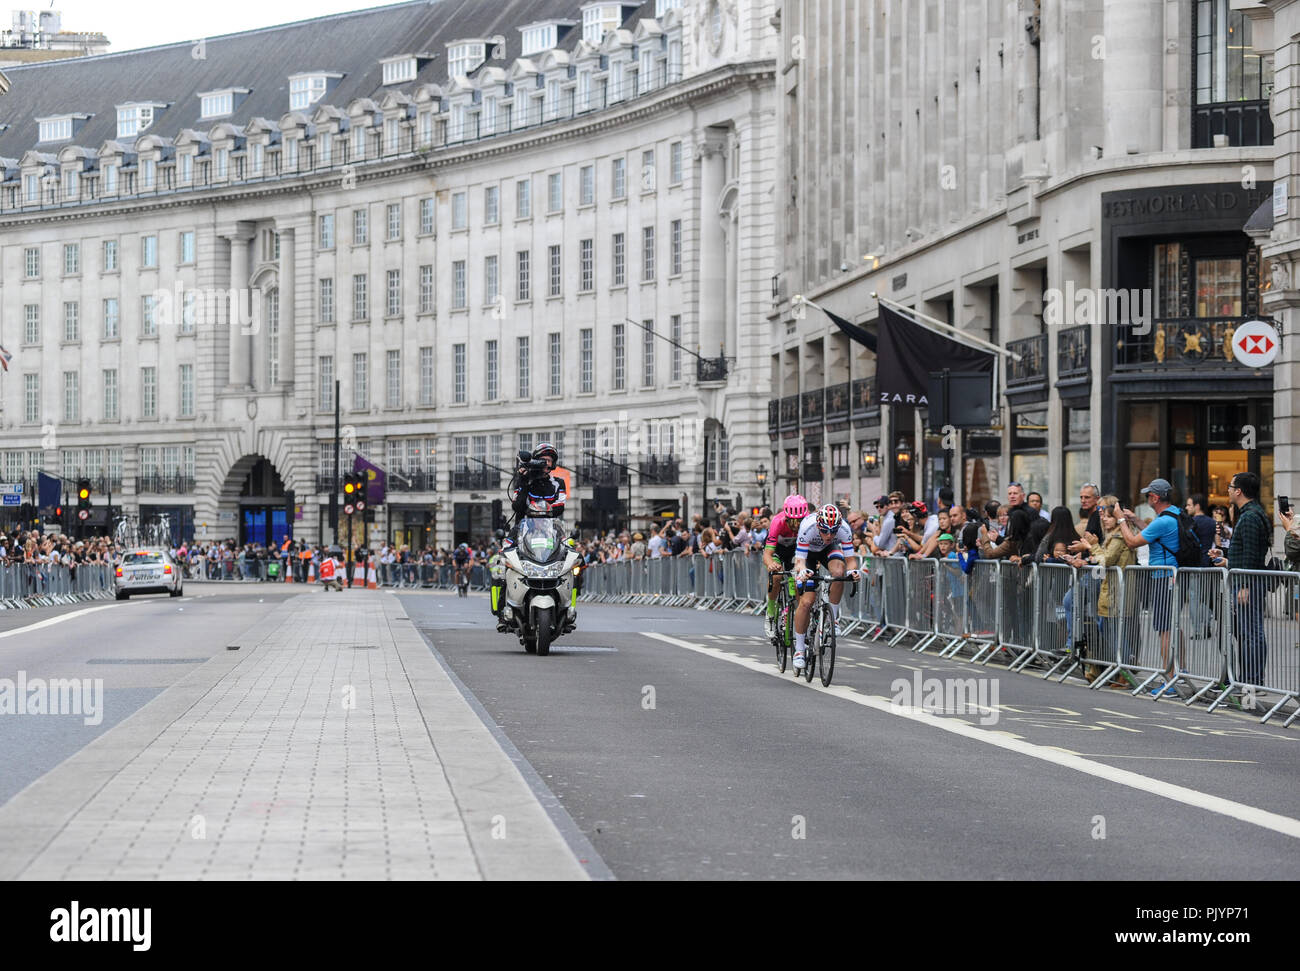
(1251, 537)
(1172, 544)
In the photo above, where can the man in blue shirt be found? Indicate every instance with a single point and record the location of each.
(1162, 536)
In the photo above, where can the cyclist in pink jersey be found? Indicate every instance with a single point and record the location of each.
(778, 554)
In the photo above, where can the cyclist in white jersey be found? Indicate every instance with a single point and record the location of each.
(825, 539)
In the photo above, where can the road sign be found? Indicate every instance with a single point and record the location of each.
(348, 509)
(83, 514)
(11, 488)
(12, 499)
(1255, 344)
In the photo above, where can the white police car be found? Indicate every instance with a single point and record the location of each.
(147, 571)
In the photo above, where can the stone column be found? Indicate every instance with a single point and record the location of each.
(287, 279)
(1133, 76)
(241, 309)
(712, 246)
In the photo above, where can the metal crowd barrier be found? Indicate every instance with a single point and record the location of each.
(895, 577)
(1224, 632)
(1262, 616)
(1054, 620)
(920, 602)
(25, 585)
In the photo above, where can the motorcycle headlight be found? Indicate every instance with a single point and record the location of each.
(536, 570)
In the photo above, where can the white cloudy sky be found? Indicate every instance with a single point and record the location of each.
(145, 23)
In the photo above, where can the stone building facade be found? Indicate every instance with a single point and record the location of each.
(492, 224)
(1071, 180)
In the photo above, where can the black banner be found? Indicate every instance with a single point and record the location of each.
(853, 331)
(909, 353)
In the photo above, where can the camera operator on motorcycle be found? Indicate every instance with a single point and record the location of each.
(531, 486)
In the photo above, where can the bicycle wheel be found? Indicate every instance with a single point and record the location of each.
(782, 637)
(826, 646)
(809, 653)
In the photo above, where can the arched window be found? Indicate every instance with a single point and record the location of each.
(273, 336)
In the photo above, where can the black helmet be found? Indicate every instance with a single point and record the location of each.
(545, 450)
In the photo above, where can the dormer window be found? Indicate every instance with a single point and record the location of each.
(306, 89)
(132, 119)
(60, 128)
(216, 104)
(598, 19)
(537, 38)
(463, 57)
(398, 70)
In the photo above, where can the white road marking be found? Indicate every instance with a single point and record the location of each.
(50, 622)
(1191, 797)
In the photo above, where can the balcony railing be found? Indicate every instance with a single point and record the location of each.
(812, 408)
(476, 479)
(1074, 353)
(660, 470)
(166, 485)
(811, 470)
(837, 404)
(710, 369)
(1176, 343)
(1031, 369)
(773, 417)
(790, 413)
(597, 473)
(402, 481)
(1244, 122)
(864, 404)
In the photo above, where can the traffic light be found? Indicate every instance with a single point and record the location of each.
(354, 490)
(83, 494)
(290, 508)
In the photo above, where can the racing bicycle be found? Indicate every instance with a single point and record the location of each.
(819, 653)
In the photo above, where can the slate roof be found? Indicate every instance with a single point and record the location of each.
(262, 60)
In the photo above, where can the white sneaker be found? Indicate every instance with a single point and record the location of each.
(798, 660)
(769, 627)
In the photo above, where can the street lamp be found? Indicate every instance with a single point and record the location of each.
(870, 457)
(760, 476)
(903, 455)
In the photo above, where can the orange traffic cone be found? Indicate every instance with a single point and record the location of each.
(371, 583)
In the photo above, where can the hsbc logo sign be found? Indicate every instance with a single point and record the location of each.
(1255, 344)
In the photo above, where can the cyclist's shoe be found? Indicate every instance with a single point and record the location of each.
(798, 660)
(769, 627)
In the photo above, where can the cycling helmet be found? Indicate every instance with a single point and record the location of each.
(828, 518)
(796, 507)
(545, 450)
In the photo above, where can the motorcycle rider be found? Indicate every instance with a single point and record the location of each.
(531, 483)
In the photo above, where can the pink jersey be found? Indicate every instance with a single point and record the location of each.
(782, 531)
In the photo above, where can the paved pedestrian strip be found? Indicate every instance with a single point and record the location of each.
(330, 745)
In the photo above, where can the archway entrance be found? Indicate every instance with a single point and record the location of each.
(262, 515)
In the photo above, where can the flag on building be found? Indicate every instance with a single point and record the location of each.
(376, 480)
(908, 353)
(5, 358)
(49, 491)
(855, 333)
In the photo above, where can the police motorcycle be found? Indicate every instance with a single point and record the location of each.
(540, 565)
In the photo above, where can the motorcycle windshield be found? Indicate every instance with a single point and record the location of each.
(541, 540)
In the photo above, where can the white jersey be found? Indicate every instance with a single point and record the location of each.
(813, 540)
